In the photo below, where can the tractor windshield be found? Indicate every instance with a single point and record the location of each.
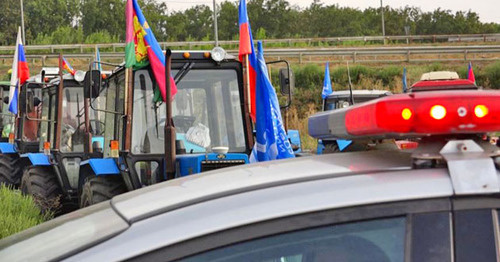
(206, 112)
(6, 118)
(73, 119)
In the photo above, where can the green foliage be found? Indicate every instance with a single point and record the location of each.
(19, 212)
(62, 35)
(269, 19)
(261, 34)
(100, 37)
(492, 75)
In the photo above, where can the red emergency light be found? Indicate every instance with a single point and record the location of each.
(434, 85)
(413, 114)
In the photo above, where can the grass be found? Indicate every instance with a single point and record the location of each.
(19, 212)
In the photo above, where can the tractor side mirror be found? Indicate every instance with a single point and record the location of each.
(287, 81)
(92, 84)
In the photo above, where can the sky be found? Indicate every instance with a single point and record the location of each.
(488, 10)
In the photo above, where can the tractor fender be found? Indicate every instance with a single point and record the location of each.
(294, 138)
(101, 166)
(35, 159)
(7, 148)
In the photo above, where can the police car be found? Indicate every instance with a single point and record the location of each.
(438, 202)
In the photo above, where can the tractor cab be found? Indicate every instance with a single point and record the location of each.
(19, 133)
(6, 118)
(209, 113)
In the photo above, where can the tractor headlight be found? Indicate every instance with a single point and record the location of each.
(218, 54)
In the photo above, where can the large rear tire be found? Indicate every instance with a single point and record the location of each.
(10, 171)
(101, 188)
(41, 183)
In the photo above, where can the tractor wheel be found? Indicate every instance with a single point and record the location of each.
(10, 171)
(41, 183)
(331, 148)
(101, 188)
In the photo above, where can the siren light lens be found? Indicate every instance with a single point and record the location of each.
(481, 111)
(438, 112)
(186, 55)
(406, 114)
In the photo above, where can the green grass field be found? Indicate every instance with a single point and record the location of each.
(18, 212)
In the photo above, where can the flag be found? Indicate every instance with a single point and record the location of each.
(67, 66)
(470, 74)
(327, 83)
(247, 48)
(20, 73)
(97, 60)
(142, 48)
(271, 139)
(405, 83)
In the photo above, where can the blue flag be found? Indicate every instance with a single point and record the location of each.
(271, 139)
(405, 83)
(97, 59)
(327, 83)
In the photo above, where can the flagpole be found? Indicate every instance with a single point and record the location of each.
(22, 22)
(247, 73)
(129, 88)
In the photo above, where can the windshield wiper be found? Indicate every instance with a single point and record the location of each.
(184, 70)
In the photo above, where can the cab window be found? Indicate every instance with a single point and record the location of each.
(375, 240)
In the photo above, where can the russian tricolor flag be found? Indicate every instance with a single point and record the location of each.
(247, 48)
(20, 73)
(470, 74)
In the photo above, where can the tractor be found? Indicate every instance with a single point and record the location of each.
(209, 112)
(19, 134)
(52, 170)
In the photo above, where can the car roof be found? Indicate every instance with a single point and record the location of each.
(147, 202)
(197, 205)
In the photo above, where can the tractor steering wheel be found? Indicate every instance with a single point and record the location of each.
(97, 123)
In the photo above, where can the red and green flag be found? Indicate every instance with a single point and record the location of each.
(142, 48)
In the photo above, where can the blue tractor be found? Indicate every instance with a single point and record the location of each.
(52, 170)
(209, 117)
(19, 133)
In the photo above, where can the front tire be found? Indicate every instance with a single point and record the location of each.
(101, 188)
(41, 183)
(10, 171)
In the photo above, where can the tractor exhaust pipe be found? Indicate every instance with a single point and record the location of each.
(170, 153)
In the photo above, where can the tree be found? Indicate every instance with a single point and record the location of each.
(45, 17)
(109, 15)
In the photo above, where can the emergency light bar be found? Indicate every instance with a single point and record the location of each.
(434, 85)
(410, 115)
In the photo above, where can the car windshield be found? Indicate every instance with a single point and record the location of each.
(206, 112)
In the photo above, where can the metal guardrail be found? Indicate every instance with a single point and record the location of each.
(356, 55)
(409, 38)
